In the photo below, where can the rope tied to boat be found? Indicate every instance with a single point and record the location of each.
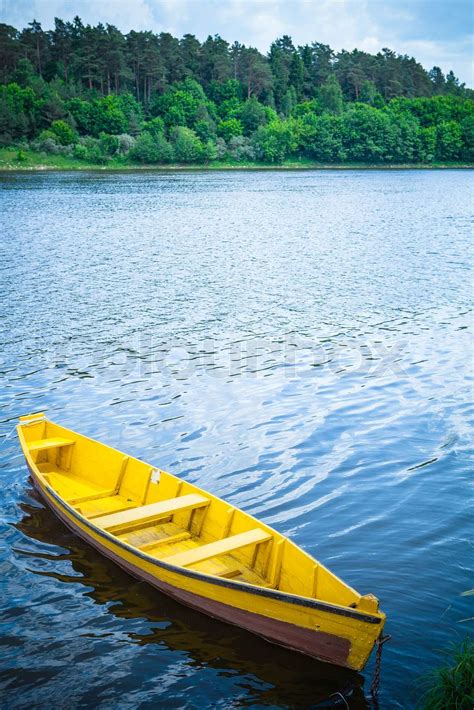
(338, 694)
(374, 688)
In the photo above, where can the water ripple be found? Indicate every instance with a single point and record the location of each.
(298, 343)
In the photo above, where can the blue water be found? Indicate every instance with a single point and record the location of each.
(297, 342)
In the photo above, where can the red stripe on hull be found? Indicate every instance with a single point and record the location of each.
(318, 644)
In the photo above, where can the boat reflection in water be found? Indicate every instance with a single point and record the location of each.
(282, 678)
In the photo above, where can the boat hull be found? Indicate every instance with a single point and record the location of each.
(332, 635)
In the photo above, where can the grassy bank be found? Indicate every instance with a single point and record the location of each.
(11, 160)
(452, 685)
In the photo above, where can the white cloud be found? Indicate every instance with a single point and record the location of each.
(258, 27)
(447, 55)
(125, 14)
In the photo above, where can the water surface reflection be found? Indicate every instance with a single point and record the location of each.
(173, 636)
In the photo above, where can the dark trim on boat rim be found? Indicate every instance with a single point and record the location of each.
(238, 586)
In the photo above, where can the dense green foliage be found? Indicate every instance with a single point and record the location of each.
(452, 686)
(93, 93)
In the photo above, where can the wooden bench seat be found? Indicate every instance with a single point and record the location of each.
(43, 444)
(220, 547)
(149, 513)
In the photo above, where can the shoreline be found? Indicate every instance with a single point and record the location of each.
(36, 162)
(21, 168)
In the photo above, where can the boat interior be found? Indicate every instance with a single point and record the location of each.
(172, 520)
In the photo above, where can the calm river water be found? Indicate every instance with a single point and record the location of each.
(298, 342)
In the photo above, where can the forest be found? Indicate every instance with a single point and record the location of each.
(96, 95)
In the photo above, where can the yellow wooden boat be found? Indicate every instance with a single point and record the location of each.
(197, 548)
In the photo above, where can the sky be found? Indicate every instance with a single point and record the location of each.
(435, 32)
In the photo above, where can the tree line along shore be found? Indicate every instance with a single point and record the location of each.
(90, 96)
